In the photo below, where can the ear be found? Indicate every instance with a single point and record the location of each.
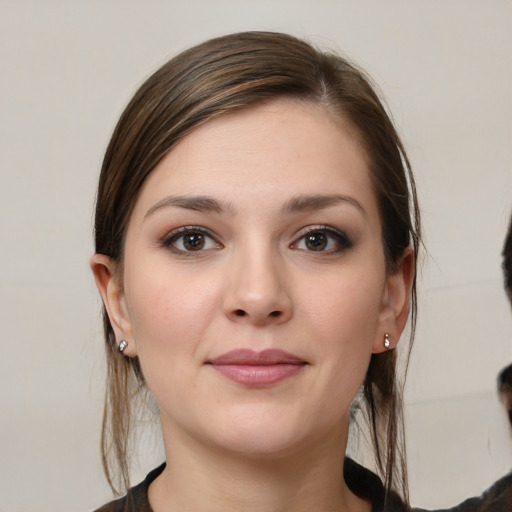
(395, 304)
(110, 286)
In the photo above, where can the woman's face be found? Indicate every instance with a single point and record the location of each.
(254, 286)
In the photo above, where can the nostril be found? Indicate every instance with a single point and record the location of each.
(242, 313)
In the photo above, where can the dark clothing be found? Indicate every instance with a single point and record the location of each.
(361, 482)
(498, 498)
(136, 499)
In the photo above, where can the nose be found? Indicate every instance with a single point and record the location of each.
(258, 292)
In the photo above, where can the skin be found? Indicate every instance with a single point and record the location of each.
(256, 283)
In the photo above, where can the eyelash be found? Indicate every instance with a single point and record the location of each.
(341, 240)
(174, 236)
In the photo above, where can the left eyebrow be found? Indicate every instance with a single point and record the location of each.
(319, 202)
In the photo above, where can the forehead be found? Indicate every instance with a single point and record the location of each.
(275, 149)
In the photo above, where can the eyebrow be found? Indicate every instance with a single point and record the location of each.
(302, 203)
(197, 203)
(319, 202)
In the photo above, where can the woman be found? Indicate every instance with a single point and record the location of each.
(256, 241)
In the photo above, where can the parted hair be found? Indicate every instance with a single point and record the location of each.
(222, 75)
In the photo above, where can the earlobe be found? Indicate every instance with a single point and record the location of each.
(110, 286)
(395, 306)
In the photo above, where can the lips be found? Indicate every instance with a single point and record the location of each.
(257, 369)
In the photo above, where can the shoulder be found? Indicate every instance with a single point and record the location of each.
(498, 498)
(118, 505)
(136, 499)
(367, 485)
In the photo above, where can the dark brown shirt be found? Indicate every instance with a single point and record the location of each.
(361, 482)
(498, 498)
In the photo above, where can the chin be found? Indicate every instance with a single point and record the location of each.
(266, 436)
(254, 445)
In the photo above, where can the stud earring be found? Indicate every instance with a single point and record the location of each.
(122, 345)
(387, 343)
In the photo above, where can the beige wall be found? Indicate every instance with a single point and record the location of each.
(67, 69)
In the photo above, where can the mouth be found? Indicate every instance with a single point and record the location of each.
(257, 369)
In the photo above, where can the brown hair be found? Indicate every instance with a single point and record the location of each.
(219, 76)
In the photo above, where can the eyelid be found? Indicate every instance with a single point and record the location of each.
(174, 235)
(341, 238)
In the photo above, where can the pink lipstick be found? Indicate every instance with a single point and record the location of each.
(257, 369)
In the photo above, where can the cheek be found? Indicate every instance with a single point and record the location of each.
(344, 317)
(346, 307)
(169, 311)
(170, 315)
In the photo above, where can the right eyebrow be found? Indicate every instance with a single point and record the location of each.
(197, 203)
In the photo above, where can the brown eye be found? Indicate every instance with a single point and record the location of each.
(316, 241)
(189, 240)
(193, 242)
(325, 240)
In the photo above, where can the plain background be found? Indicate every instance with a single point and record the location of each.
(67, 69)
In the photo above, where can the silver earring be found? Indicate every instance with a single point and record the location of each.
(387, 343)
(122, 345)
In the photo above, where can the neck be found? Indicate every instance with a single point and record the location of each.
(201, 478)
